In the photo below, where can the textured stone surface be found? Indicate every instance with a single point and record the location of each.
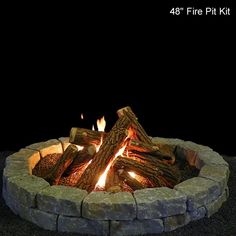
(23, 189)
(202, 195)
(83, 226)
(159, 202)
(169, 141)
(189, 151)
(42, 219)
(109, 206)
(11, 202)
(61, 200)
(218, 173)
(48, 147)
(214, 206)
(136, 227)
(65, 142)
(14, 170)
(199, 191)
(209, 157)
(174, 222)
(195, 147)
(198, 213)
(31, 157)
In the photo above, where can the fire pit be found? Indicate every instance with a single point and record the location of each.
(116, 189)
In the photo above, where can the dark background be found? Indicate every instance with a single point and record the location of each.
(175, 73)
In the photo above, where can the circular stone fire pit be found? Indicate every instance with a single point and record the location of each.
(146, 211)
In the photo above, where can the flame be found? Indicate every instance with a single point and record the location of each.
(93, 127)
(97, 146)
(132, 174)
(79, 148)
(101, 124)
(82, 116)
(102, 179)
(86, 165)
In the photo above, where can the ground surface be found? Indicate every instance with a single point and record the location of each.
(221, 223)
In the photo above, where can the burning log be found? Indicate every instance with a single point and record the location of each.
(130, 181)
(99, 165)
(81, 136)
(112, 180)
(67, 158)
(139, 130)
(156, 174)
(83, 157)
(73, 177)
(111, 145)
(141, 148)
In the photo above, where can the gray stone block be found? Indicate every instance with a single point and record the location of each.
(209, 157)
(61, 200)
(65, 142)
(23, 189)
(31, 157)
(11, 202)
(9, 172)
(82, 226)
(109, 206)
(195, 146)
(47, 147)
(168, 141)
(174, 222)
(136, 227)
(214, 206)
(42, 219)
(200, 191)
(218, 173)
(198, 213)
(154, 203)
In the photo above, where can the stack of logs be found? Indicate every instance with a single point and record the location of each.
(81, 167)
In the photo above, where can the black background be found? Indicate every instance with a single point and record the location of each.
(175, 73)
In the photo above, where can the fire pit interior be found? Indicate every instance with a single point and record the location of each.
(118, 183)
(124, 159)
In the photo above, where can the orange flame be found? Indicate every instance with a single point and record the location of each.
(101, 124)
(102, 179)
(97, 146)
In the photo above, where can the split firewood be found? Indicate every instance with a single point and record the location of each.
(139, 130)
(154, 173)
(81, 136)
(111, 145)
(83, 157)
(67, 158)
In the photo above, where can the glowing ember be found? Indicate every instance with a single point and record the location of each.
(132, 174)
(79, 147)
(101, 124)
(85, 166)
(82, 116)
(102, 180)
